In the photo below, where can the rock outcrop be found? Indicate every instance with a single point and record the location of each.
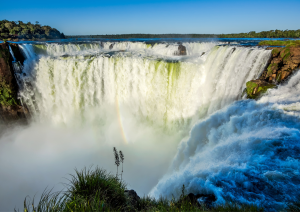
(181, 50)
(255, 88)
(10, 108)
(283, 62)
(17, 53)
(205, 199)
(133, 197)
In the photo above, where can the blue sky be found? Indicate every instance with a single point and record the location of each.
(164, 16)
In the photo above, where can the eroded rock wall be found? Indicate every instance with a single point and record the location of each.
(283, 62)
(10, 107)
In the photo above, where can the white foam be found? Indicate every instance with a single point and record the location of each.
(247, 152)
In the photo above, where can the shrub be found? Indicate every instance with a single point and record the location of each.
(88, 190)
(88, 183)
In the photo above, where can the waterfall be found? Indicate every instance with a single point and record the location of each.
(247, 152)
(86, 97)
(64, 81)
(12, 54)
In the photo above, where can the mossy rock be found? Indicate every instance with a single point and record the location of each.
(255, 88)
(271, 68)
(8, 90)
(280, 43)
(275, 52)
(7, 96)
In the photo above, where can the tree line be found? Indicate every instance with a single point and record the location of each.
(128, 36)
(265, 34)
(20, 30)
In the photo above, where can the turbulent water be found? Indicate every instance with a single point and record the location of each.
(248, 152)
(68, 81)
(86, 97)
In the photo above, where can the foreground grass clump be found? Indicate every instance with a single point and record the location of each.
(88, 190)
(279, 43)
(97, 190)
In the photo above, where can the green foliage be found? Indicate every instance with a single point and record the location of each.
(270, 69)
(21, 30)
(7, 96)
(7, 93)
(265, 34)
(87, 184)
(286, 57)
(97, 190)
(236, 208)
(275, 52)
(260, 89)
(88, 190)
(250, 87)
(122, 161)
(279, 43)
(128, 36)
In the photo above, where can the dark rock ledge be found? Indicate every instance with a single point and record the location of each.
(11, 110)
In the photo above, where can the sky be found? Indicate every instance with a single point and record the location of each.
(156, 17)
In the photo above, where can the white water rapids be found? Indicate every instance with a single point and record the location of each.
(85, 98)
(166, 90)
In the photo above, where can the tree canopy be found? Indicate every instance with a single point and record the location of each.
(265, 34)
(128, 36)
(21, 30)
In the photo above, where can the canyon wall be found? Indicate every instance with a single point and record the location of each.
(10, 107)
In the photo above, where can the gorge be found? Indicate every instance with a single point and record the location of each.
(163, 105)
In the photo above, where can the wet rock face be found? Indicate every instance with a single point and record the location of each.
(283, 62)
(133, 197)
(10, 109)
(5, 69)
(181, 50)
(255, 88)
(8, 89)
(205, 199)
(13, 113)
(18, 54)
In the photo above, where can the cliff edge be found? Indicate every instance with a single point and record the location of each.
(10, 107)
(283, 62)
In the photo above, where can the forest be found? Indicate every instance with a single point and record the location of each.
(128, 36)
(13, 30)
(265, 34)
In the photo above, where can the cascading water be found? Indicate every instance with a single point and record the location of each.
(87, 97)
(247, 152)
(167, 90)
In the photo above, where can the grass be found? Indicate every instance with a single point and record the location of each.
(88, 190)
(279, 43)
(97, 190)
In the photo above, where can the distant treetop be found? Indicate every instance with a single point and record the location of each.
(265, 34)
(20, 30)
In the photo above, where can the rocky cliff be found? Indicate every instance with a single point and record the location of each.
(283, 62)
(10, 108)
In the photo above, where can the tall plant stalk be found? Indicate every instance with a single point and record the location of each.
(122, 160)
(117, 159)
